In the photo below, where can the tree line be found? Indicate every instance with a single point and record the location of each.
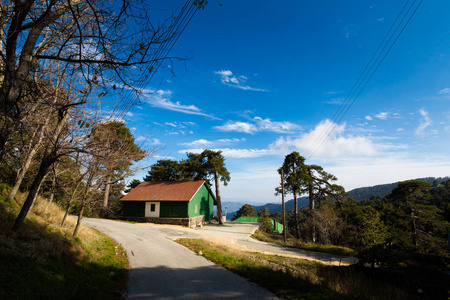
(412, 220)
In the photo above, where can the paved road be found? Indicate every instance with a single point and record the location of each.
(241, 232)
(163, 269)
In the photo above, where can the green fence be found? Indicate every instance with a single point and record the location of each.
(278, 228)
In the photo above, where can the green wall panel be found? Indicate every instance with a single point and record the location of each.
(201, 204)
(173, 209)
(134, 209)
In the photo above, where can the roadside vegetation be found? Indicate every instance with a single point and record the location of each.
(295, 243)
(44, 261)
(301, 279)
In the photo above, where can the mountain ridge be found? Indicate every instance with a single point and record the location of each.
(362, 193)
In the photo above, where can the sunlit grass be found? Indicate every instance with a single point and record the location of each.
(292, 242)
(302, 279)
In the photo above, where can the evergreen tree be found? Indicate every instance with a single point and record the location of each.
(165, 170)
(246, 210)
(296, 180)
(415, 224)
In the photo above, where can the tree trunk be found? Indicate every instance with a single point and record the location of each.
(69, 203)
(52, 191)
(29, 157)
(66, 213)
(284, 207)
(83, 202)
(311, 211)
(297, 229)
(104, 212)
(219, 202)
(43, 169)
(80, 216)
(50, 156)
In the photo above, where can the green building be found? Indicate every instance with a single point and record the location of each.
(188, 203)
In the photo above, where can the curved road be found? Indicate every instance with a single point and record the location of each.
(163, 269)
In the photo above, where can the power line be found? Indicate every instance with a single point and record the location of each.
(367, 74)
(170, 37)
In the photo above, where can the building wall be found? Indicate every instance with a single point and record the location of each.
(201, 204)
(173, 209)
(133, 209)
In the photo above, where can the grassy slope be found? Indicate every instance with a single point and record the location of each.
(44, 261)
(301, 279)
(292, 242)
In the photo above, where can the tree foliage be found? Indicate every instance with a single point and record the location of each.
(246, 210)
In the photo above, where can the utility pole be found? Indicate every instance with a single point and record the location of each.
(284, 208)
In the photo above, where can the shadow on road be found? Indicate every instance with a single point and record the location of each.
(197, 283)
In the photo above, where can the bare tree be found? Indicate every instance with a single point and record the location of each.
(76, 48)
(111, 44)
(118, 151)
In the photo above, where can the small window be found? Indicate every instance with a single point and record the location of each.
(196, 209)
(152, 207)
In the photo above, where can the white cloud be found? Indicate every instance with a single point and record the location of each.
(369, 118)
(380, 19)
(198, 143)
(161, 99)
(180, 124)
(444, 91)
(336, 101)
(386, 169)
(129, 114)
(227, 78)
(205, 143)
(259, 124)
(335, 145)
(236, 153)
(425, 121)
(331, 92)
(382, 115)
(255, 181)
(238, 127)
(280, 127)
(148, 140)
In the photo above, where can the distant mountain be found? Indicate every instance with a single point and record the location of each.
(382, 190)
(358, 194)
(274, 207)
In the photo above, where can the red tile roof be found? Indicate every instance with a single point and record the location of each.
(164, 191)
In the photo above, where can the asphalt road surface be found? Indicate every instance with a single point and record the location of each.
(163, 269)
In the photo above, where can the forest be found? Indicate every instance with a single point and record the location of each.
(410, 222)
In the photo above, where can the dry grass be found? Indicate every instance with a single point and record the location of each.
(295, 243)
(44, 261)
(301, 279)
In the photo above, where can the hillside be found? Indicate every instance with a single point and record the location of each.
(44, 261)
(358, 194)
(382, 190)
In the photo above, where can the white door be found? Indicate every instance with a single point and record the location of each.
(152, 209)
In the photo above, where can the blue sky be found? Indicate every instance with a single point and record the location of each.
(265, 78)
